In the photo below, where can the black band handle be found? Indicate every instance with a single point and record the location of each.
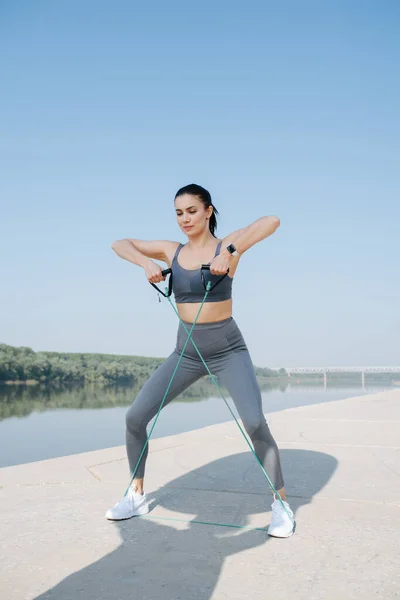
(207, 268)
(203, 268)
(164, 274)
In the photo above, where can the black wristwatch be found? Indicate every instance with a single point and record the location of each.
(232, 250)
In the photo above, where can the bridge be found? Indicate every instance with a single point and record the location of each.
(325, 370)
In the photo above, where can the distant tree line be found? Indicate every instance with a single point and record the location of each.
(59, 368)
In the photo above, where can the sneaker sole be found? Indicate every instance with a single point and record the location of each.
(282, 537)
(142, 510)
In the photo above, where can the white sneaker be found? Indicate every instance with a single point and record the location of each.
(282, 522)
(131, 505)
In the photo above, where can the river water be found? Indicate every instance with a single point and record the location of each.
(37, 423)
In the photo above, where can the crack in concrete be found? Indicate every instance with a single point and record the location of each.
(231, 491)
(91, 471)
(341, 445)
(335, 420)
(298, 496)
(43, 484)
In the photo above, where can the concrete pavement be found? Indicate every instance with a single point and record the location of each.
(341, 462)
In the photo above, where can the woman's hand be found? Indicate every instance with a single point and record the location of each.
(221, 263)
(153, 272)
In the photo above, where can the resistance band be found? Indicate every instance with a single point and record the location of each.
(208, 289)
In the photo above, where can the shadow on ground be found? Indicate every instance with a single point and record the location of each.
(157, 561)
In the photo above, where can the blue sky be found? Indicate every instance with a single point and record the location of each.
(290, 109)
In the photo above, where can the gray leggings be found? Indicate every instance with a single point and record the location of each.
(225, 352)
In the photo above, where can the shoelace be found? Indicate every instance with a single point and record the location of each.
(278, 511)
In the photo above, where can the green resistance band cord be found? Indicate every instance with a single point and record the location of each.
(189, 338)
(168, 388)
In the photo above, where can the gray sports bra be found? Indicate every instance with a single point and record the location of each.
(188, 286)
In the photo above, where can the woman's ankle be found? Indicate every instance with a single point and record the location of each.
(281, 493)
(137, 486)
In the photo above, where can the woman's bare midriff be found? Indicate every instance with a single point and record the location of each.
(210, 313)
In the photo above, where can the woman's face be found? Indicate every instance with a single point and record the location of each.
(191, 215)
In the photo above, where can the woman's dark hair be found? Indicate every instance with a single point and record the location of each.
(202, 194)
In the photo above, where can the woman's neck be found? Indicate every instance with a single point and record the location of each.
(202, 241)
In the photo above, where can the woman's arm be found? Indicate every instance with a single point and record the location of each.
(141, 253)
(242, 239)
(245, 238)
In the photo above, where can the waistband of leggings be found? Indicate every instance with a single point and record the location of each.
(209, 325)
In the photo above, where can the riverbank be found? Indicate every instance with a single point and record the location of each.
(341, 464)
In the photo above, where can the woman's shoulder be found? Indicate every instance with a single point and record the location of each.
(170, 250)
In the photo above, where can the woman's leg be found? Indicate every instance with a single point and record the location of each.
(143, 409)
(147, 403)
(235, 371)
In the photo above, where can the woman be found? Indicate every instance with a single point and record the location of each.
(216, 335)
